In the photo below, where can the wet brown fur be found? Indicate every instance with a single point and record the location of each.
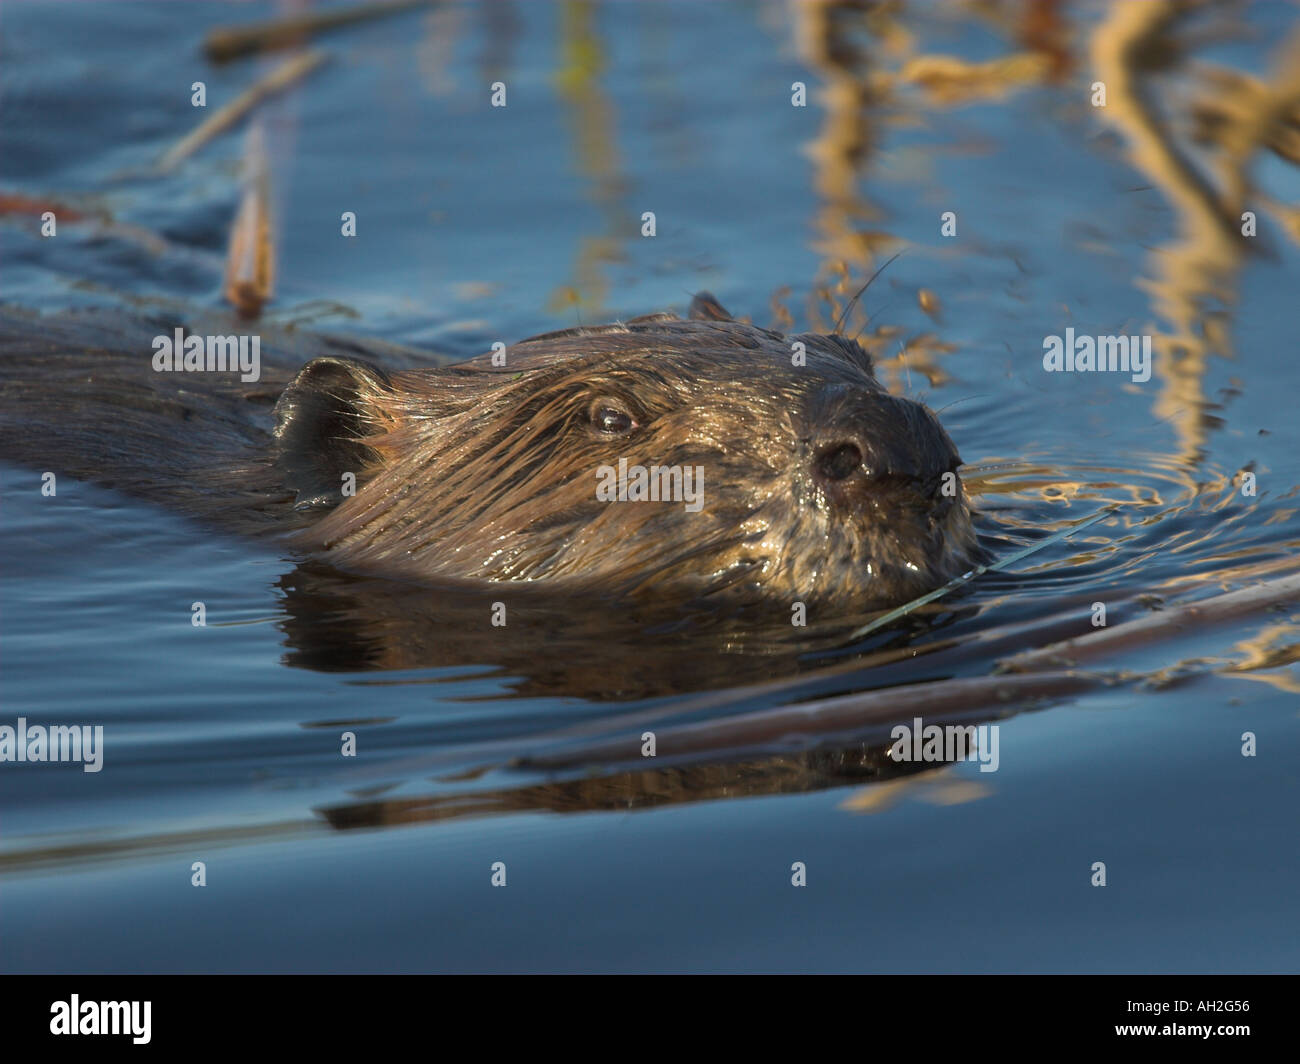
(475, 472)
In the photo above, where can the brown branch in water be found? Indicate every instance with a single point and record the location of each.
(25, 209)
(1153, 626)
(231, 42)
(250, 264)
(277, 80)
(15, 203)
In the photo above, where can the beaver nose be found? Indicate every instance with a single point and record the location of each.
(886, 445)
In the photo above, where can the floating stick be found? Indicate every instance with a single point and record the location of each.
(1150, 627)
(251, 259)
(224, 44)
(277, 80)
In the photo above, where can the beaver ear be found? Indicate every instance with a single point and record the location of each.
(705, 308)
(320, 424)
(838, 347)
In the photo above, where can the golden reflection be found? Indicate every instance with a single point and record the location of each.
(595, 148)
(873, 76)
(948, 81)
(1138, 51)
(1271, 657)
(1194, 128)
(830, 39)
(941, 788)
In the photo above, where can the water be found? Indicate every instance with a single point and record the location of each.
(477, 224)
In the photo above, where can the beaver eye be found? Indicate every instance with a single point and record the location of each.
(611, 420)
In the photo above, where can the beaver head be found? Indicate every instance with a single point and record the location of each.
(781, 467)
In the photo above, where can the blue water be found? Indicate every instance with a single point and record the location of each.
(477, 224)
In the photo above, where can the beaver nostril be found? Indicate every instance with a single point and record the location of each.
(839, 461)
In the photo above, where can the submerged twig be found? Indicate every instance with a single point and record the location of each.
(277, 80)
(29, 209)
(1226, 607)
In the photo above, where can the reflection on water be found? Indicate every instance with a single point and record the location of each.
(1142, 53)
(624, 791)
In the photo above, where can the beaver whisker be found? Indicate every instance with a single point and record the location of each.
(858, 295)
(963, 399)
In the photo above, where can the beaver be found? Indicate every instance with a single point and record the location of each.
(810, 481)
